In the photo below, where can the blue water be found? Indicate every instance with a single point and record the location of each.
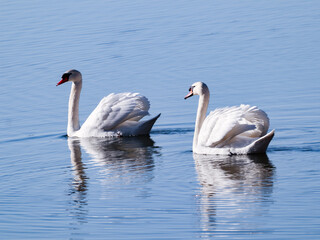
(263, 53)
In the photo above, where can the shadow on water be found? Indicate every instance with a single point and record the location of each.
(233, 187)
(128, 158)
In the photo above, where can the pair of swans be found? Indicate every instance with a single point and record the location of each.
(231, 130)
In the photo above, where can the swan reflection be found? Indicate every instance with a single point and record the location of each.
(117, 159)
(116, 162)
(80, 178)
(232, 185)
(78, 190)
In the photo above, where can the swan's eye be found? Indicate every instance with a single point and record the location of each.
(191, 88)
(66, 75)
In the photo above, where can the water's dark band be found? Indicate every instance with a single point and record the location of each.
(312, 147)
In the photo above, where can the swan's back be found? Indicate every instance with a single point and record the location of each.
(113, 110)
(223, 125)
(254, 116)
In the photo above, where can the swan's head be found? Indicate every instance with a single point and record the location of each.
(198, 88)
(70, 76)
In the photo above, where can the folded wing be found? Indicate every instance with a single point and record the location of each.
(224, 124)
(115, 109)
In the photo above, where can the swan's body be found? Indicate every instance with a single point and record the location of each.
(115, 115)
(230, 130)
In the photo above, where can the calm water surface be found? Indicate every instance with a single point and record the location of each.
(264, 53)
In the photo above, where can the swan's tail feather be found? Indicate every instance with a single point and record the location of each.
(261, 145)
(145, 127)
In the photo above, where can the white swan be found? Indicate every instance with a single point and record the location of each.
(230, 130)
(115, 115)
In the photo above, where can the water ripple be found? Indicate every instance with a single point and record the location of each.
(295, 149)
(172, 131)
(31, 137)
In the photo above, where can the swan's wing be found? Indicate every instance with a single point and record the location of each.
(116, 109)
(223, 124)
(254, 115)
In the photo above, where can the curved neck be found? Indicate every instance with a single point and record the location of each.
(201, 115)
(73, 112)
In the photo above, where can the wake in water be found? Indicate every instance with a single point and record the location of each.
(171, 131)
(32, 137)
(306, 147)
(294, 149)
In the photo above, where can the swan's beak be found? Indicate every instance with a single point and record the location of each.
(190, 94)
(63, 80)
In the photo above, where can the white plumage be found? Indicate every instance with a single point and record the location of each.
(116, 115)
(230, 130)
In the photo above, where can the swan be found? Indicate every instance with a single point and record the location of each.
(115, 115)
(230, 130)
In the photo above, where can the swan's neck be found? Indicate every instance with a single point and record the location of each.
(201, 115)
(73, 113)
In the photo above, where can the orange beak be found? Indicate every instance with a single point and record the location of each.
(190, 94)
(63, 80)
